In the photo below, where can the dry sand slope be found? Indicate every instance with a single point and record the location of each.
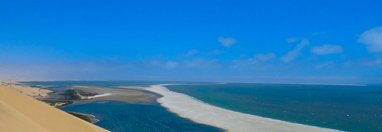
(20, 113)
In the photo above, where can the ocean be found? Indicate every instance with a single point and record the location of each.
(348, 108)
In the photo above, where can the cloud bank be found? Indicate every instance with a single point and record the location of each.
(226, 41)
(326, 49)
(296, 51)
(372, 39)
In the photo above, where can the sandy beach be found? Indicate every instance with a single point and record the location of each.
(198, 111)
(21, 113)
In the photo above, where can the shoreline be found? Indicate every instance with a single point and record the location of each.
(87, 117)
(198, 111)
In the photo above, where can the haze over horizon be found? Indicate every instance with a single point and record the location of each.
(318, 41)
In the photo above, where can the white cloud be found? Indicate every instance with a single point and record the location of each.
(296, 51)
(259, 61)
(372, 39)
(171, 64)
(192, 52)
(326, 49)
(226, 41)
(264, 57)
(377, 62)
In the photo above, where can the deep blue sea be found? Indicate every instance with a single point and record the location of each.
(125, 117)
(348, 108)
(128, 117)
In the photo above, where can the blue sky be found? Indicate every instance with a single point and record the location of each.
(317, 41)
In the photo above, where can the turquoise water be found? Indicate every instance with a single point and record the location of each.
(349, 108)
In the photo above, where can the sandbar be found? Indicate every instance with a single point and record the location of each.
(200, 112)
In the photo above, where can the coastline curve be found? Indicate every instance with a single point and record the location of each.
(201, 112)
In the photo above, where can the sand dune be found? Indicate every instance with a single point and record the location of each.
(20, 113)
(198, 111)
(27, 90)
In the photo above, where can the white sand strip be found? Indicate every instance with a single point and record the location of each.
(200, 112)
(101, 95)
(95, 96)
